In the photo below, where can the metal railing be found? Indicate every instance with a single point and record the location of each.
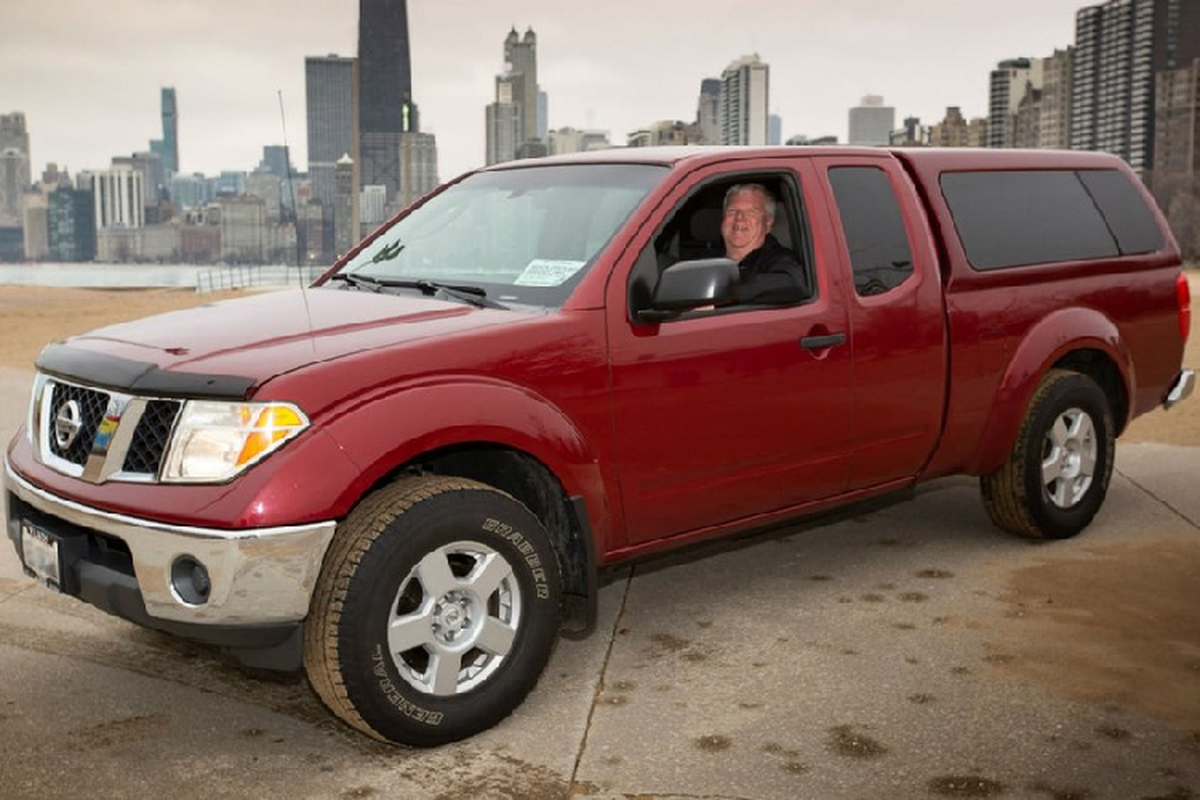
(245, 277)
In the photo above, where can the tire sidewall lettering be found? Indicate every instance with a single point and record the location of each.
(525, 549)
(387, 687)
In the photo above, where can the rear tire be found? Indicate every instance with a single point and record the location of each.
(435, 611)
(1057, 475)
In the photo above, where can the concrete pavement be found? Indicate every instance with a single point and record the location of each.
(885, 653)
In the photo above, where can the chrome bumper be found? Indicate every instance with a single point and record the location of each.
(1181, 389)
(261, 576)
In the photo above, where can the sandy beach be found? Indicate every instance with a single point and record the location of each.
(31, 316)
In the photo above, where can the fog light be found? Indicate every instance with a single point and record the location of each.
(189, 579)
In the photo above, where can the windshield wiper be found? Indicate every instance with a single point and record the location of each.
(359, 281)
(466, 294)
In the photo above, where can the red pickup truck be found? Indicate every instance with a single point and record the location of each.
(406, 477)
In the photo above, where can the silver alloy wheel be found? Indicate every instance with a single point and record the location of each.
(454, 619)
(1069, 456)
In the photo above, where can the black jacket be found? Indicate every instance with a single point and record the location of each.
(771, 275)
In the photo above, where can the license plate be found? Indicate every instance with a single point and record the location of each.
(39, 552)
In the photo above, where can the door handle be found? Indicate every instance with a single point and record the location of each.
(821, 342)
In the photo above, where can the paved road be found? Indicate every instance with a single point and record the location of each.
(887, 653)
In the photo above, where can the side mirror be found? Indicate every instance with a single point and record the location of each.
(692, 284)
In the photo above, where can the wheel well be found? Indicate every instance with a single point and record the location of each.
(1100, 368)
(533, 484)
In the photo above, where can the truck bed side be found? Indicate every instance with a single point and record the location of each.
(1010, 324)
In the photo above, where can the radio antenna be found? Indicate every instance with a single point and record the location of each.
(287, 163)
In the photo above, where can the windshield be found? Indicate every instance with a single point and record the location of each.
(523, 236)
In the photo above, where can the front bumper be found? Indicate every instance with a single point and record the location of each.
(261, 579)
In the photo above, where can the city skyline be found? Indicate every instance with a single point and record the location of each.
(598, 68)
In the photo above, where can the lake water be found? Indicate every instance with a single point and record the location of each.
(130, 276)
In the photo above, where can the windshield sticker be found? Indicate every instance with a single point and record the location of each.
(547, 272)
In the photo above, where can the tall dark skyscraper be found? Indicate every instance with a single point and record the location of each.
(386, 110)
(331, 85)
(331, 92)
(385, 69)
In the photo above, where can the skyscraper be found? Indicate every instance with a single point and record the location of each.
(332, 101)
(1177, 126)
(385, 104)
(1030, 102)
(871, 122)
(745, 88)
(955, 131)
(345, 206)
(154, 177)
(1055, 118)
(119, 197)
(71, 225)
(543, 116)
(276, 160)
(708, 111)
(774, 129)
(504, 120)
(170, 125)
(15, 172)
(1176, 178)
(418, 166)
(385, 70)
(515, 119)
(520, 55)
(1008, 84)
(13, 132)
(13, 165)
(1119, 46)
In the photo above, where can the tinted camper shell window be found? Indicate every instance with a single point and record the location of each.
(1015, 218)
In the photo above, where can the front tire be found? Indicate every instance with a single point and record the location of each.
(435, 611)
(1057, 475)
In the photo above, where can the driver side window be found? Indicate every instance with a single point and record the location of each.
(694, 232)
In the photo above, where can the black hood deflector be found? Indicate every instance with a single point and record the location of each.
(138, 377)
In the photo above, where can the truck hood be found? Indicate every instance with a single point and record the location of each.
(269, 334)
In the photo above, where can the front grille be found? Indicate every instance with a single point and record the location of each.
(80, 431)
(150, 438)
(76, 415)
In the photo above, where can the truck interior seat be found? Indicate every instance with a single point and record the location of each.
(701, 237)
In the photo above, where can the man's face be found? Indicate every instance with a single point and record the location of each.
(745, 224)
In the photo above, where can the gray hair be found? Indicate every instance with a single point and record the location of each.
(756, 188)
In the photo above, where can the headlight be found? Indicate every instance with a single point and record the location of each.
(213, 441)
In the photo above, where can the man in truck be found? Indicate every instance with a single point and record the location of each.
(769, 271)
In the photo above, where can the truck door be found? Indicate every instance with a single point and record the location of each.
(724, 414)
(896, 317)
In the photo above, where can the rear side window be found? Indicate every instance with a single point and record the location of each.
(1130, 219)
(874, 229)
(1009, 219)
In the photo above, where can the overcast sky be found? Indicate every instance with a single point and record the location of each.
(87, 73)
